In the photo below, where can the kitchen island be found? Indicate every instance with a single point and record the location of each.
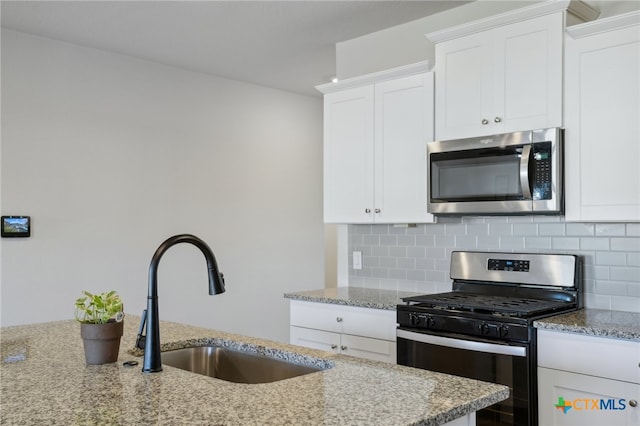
(45, 380)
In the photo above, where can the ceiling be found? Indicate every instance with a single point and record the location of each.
(288, 45)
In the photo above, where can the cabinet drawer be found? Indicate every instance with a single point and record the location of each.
(595, 356)
(366, 322)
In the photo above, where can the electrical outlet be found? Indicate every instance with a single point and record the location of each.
(357, 260)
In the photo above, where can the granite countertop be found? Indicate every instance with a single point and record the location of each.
(595, 322)
(45, 381)
(353, 296)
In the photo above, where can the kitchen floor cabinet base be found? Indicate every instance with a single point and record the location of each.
(588, 400)
(362, 332)
(574, 370)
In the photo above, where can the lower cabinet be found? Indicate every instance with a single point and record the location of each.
(587, 380)
(580, 399)
(362, 332)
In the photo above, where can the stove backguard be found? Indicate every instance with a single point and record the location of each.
(526, 269)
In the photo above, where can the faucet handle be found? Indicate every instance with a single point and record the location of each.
(140, 340)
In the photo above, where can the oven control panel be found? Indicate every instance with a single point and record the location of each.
(409, 319)
(508, 265)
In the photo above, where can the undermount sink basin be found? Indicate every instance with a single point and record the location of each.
(234, 366)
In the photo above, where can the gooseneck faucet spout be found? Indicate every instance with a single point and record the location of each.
(152, 361)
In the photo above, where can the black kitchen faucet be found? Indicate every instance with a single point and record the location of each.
(151, 342)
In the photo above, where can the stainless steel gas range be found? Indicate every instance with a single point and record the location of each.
(483, 329)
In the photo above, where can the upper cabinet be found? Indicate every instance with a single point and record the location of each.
(502, 79)
(602, 133)
(375, 136)
(348, 155)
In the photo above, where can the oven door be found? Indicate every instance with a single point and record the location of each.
(506, 364)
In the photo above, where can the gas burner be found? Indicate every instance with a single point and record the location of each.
(487, 304)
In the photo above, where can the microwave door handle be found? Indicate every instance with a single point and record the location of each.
(524, 171)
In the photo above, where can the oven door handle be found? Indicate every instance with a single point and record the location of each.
(463, 344)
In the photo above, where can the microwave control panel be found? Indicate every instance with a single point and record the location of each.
(542, 171)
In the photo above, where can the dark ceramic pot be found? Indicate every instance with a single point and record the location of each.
(101, 341)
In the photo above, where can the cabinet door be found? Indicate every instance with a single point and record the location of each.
(364, 347)
(602, 134)
(403, 126)
(527, 75)
(348, 156)
(315, 339)
(463, 86)
(501, 80)
(366, 322)
(593, 400)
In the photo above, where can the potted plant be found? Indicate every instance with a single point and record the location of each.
(101, 325)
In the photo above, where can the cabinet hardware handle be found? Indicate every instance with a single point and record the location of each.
(497, 119)
(377, 210)
(344, 348)
(633, 403)
(339, 319)
(334, 346)
(485, 121)
(367, 211)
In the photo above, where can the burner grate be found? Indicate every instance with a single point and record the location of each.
(502, 305)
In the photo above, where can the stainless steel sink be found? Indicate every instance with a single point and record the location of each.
(234, 366)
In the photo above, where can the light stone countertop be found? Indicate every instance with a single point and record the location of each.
(45, 381)
(595, 322)
(353, 296)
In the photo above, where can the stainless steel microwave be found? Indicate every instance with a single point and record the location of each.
(510, 173)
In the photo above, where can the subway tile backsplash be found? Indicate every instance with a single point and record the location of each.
(417, 258)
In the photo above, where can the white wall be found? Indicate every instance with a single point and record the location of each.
(110, 155)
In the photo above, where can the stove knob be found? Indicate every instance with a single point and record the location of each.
(414, 319)
(484, 328)
(430, 322)
(503, 330)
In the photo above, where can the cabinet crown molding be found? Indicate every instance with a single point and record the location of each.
(576, 7)
(376, 77)
(606, 24)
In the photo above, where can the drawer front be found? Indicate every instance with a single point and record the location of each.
(596, 356)
(367, 322)
(315, 315)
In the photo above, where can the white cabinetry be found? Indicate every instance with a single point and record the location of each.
(602, 133)
(348, 155)
(599, 378)
(499, 80)
(362, 332)
(375, 135)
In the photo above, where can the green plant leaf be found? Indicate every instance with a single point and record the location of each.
(98, 308)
